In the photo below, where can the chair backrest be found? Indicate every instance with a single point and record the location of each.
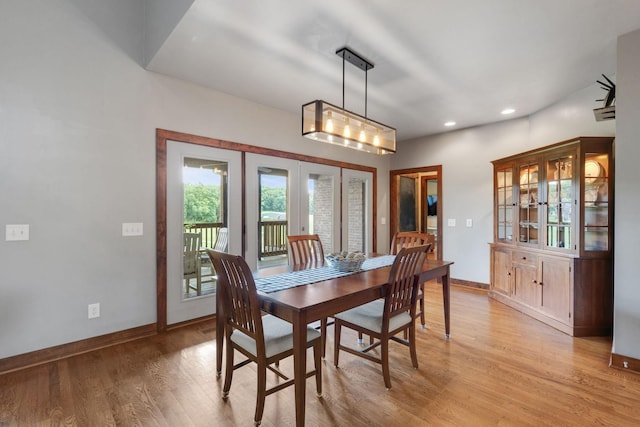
(222, 240)
(240, 299)
(407, 239)
(306, 250)
(191, 253)
(403, 281)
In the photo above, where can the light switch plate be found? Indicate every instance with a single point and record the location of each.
(451, 222)
(14, 232)
(132, 229)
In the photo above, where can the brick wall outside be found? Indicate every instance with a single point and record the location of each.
(356, 188)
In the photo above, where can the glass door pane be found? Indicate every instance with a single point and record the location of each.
(272, 226)
(528, 204)
(320, 204)
(357, 209)
(596, 202)
(559, 218)
(504, 204)
(205, 214)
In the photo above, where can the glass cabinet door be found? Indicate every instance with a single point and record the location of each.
(560, 213)
(504, 204)
(596, 202)
(528, 220)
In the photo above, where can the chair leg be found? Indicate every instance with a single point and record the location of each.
(384, 353)
(360, 338)
(337, 326)
(318, 365)
(228, 374)
(423, 321)
(262, 392)
(412, 345)
(323, 336)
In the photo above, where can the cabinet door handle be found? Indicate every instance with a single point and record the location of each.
(524, 257)
(534, 281)
(540, 283)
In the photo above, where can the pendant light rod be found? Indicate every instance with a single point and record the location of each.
(366, 73)
(343, 82)
(358, 61)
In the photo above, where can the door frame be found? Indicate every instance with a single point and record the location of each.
(394, 200)
(162, 136)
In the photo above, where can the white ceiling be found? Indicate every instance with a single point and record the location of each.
(461, 60)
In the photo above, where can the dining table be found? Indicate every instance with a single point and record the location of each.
(302, 296)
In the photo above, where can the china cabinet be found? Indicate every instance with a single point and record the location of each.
(553, 234)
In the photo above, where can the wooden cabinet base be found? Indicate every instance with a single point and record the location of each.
(578, 303)
(575, 331)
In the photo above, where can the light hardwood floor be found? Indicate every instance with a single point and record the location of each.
(499, 368)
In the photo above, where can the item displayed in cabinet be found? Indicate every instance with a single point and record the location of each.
(592, 172)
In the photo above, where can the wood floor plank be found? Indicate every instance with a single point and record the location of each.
(500, 368)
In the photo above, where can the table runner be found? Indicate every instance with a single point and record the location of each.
(313, 275)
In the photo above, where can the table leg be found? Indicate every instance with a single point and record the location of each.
(300, 364)
(219, 333)
(446, 296)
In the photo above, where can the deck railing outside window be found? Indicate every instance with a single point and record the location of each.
(208, 232)
(272, 238)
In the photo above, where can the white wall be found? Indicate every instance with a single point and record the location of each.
(626, 325)
(77, 159)
(466, 155)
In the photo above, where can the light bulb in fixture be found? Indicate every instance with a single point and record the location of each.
(363, 136)
(359, 146)
(376, 139)
(450, 123)
(347, 129)
(507, 111)
(329, 122)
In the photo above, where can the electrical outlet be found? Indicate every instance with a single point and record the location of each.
(469, 222)
(94, 310)
(451, 222)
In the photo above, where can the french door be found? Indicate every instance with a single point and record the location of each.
(312, 206)
(203, 196)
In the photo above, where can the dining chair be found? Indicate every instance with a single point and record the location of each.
(191, 262)
(406, 239)
(264, 340)
(305, 251)
(383, 319)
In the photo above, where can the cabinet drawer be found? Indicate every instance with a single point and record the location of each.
(525, 258)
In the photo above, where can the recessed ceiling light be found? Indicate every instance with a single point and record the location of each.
(508, 111)
(449, 124)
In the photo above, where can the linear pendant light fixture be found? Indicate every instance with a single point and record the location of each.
(328, 123)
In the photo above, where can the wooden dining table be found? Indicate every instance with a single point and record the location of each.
(302, 305)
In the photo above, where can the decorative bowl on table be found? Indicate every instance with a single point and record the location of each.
(346, 261)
